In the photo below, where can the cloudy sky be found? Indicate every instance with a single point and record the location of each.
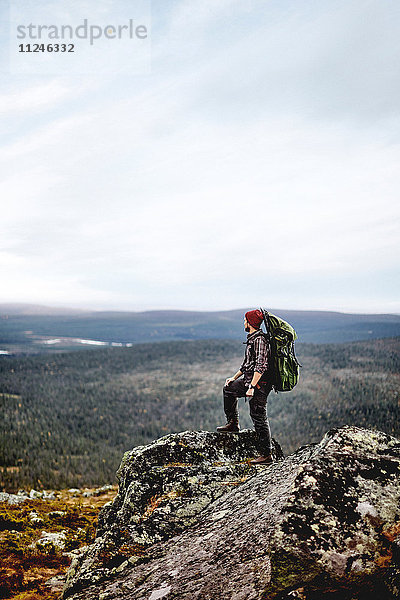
(255, 160)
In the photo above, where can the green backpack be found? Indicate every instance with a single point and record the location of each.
(285, 366)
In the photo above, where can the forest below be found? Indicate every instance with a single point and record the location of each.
(66, 419)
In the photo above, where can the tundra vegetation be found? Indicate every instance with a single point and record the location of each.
(38, 538)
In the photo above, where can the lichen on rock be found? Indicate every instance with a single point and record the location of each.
(193, 519)
(163, 488)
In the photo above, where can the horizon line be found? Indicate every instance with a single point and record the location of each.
(66, 308)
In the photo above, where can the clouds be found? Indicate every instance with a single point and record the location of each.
(34, 98)
(320, 59)
(258, 160)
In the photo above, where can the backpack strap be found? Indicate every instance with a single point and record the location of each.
(265, 315)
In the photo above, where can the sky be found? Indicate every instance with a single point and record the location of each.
(249, 156)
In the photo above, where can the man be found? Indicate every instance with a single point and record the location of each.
(254, 386)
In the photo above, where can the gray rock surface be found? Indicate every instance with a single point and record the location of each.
(50, 542)
(23, 496)
(13, 498)
(193, 520)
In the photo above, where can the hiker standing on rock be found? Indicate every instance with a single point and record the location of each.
(255, 385)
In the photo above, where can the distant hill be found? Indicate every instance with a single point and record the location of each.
(25, 328)
(18, 308)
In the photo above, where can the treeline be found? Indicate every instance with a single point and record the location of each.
(66, 419)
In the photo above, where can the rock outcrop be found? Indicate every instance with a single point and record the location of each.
(194, 520)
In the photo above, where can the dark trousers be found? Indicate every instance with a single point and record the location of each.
(258, 410)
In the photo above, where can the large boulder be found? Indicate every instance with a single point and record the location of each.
(194, 520)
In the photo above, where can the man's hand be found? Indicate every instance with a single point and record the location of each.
(229, 380)
(250, 392)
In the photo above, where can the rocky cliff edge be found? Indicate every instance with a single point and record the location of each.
(194, 520)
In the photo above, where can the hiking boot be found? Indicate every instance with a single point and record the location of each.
(262, 460)
(231, 427)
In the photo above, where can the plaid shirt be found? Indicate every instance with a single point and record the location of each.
(256, 356)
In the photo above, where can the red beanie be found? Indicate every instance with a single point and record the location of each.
(254, 318)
